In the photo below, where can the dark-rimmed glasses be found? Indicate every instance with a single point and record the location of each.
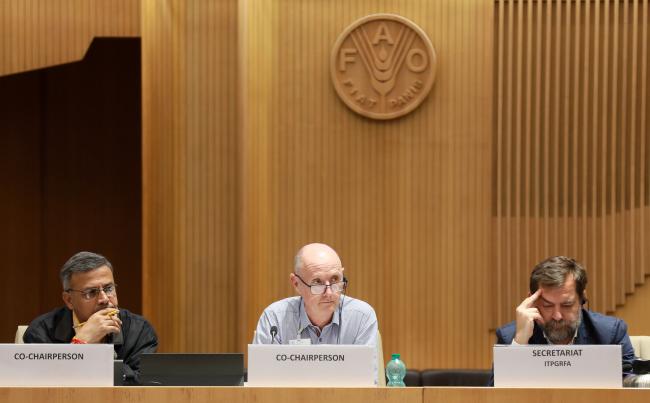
(318, 289)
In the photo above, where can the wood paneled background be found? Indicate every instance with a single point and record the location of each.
(70, 180)
(402, 201)
(531, 143)
(572, 145)
(191, 173)
(40, 33)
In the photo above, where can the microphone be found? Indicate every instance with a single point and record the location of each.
(345, 287)
(274, 332)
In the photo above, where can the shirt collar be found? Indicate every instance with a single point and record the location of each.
(64, 331)
(75, 320)
(304, 319)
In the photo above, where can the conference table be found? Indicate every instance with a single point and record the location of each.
(315, 395)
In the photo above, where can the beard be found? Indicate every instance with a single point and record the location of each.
(559, 331)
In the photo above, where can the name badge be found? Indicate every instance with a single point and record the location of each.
(56, 365)
(300, 342)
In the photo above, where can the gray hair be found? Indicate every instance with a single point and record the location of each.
(80, 263)
(297, 262)
(553, 271)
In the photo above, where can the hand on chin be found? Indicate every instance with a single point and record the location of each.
(99, 308)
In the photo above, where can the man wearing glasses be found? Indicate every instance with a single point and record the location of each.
(321, 313)
(91, 314)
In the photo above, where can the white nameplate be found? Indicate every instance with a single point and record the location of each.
(567, 366)
(326, 365)
(56, 365)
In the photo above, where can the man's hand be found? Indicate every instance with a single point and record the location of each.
(527, 314)
(99, 325)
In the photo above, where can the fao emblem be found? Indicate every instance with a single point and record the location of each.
(383, 66)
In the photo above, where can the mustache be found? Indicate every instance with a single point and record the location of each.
(557, 324)
(109, 305)
(560, 330)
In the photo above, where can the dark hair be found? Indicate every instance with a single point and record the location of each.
(80, 263)
(553, 271)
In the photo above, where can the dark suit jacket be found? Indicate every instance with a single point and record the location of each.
(594, 329)
(137, 337)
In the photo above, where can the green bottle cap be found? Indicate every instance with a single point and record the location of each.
(394, 357)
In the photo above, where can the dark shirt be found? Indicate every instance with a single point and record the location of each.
(595, 328)
(137, 337)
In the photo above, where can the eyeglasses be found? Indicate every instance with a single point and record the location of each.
(317, 289)
(92, 293)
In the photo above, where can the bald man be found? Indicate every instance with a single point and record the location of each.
(321, 313)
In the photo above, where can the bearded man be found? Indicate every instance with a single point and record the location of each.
(553, 313)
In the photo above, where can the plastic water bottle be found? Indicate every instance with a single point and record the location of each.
(395, 371)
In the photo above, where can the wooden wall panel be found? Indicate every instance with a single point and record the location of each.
(69, 155)
(571, 150)
(41, 33)
(91, 166)
(190, 173)
(70, 176)
(530, 146)
(635, 311)
(405, 202)
(20, 201)
(237, 178)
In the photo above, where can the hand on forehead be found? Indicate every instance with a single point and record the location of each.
(562, 294)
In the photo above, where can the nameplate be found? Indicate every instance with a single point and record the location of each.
(56, 365)
(567, 366)
(311, 365)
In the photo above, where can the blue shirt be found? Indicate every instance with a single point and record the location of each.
(356, 324)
